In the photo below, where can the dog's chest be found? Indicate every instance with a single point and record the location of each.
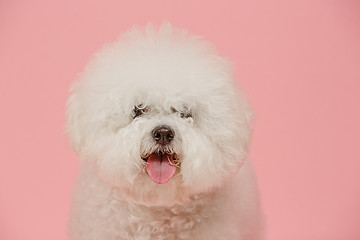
(166, 223)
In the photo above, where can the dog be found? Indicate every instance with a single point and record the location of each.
(162, 133)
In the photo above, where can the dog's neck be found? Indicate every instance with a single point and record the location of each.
(141, 220)
(178, 219)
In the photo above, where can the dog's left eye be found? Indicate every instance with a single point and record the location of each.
(139, 110)
(184, 113)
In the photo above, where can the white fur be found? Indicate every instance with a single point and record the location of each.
(213, 193)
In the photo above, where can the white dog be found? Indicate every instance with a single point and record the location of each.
(163, 137)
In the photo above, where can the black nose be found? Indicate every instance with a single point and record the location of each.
(163, 135)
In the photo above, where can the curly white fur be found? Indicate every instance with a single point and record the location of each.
(179, 81)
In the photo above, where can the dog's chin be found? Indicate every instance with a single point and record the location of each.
(146, 192)
(160, 182)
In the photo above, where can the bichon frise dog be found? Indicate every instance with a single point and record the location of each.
(163, 135)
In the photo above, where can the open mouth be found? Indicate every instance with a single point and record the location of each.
(161, 167)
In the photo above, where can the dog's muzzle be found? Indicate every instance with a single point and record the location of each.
(162, 163)
(163, 135)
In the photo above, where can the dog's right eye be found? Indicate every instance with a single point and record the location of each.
(138, 111)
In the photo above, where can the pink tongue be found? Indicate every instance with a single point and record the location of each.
(159, 168)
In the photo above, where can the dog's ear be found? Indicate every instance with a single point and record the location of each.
(73, 121)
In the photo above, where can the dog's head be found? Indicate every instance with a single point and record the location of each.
(157, 112)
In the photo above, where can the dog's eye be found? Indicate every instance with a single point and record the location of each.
(184, 113)
(138, 111)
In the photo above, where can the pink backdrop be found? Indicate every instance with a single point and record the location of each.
(299, 62)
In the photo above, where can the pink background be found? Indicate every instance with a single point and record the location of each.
(299, 62)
